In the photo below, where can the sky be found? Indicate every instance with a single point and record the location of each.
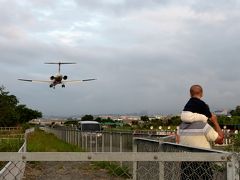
(144, 54)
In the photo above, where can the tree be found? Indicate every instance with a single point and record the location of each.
(8, 115)
(87, 117)
(98, 119)
(174, 121)
(25, 114)
(144, 118)
(12, 114)
(235, 112)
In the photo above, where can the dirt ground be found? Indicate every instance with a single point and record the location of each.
(65, 171)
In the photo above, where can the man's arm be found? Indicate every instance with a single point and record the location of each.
(189, 117)
(217, 128)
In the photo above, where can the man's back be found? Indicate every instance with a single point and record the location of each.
(198, 134)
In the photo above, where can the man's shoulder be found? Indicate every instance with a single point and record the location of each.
(196, 100)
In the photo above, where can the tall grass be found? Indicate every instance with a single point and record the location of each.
(10, 145)
(39, 141)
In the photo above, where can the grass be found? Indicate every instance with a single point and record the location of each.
(10, 145)
(39, 141)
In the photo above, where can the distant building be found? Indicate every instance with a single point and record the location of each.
(44, 122)
(223, 112)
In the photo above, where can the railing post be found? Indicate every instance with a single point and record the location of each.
(233, 167)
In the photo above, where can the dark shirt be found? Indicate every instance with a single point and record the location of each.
(196, 105)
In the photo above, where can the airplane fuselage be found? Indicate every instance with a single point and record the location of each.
(57, 79)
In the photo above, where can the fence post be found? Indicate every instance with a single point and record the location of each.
(135, 149)
(121, 146)
(96, 143)
(103, 143)
(78, 139)
(91, 143)
(233, 167)
(72, 137)
(121, 143)
(82, 143)
(86, 143)
(25, 142)
(111, 141)
(67, 135)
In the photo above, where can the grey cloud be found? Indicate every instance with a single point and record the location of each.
(145, 54)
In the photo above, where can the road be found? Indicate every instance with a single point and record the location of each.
(66, 171)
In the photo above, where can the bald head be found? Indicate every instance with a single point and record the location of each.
(196, 91)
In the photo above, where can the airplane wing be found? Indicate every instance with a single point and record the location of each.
(35, 81)
(78, 81)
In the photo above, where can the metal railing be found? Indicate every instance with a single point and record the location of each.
(144, 159)
(197, 163)
(183, 166)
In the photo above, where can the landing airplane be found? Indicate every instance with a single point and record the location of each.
(58, 78)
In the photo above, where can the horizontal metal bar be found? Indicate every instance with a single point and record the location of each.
(113, 156)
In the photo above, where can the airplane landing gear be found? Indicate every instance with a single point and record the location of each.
(63, 86)
(52, 86)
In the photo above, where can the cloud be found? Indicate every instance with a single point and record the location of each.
(145, 54)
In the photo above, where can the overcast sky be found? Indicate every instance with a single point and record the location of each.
(144, 53)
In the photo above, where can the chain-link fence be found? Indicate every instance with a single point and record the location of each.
(95, 141)
(11, 142)
(146, 165)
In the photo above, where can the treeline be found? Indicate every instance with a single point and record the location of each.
(155, 123)
(234, 119)
(12, 113)
(89, 117)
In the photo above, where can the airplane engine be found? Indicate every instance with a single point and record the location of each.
(65, 77)
(52, 77)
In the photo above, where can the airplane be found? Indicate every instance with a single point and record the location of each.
(58, 78)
